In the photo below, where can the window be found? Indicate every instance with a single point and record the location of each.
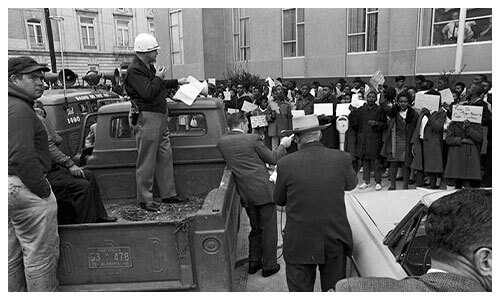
(88, 32)
(241, 41)
(35, 36)
(185, 124)
(176, 37)
(362, 29)
(293, 32)
(439, 26)
(151, 27)
(120, 128)
(123, 33)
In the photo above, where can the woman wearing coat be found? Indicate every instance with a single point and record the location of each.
(283, 119)
(397, 139)
(464, 159)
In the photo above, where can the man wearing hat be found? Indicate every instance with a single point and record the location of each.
(246, 155)
(147, 88)
(33, 238)
(311, 183)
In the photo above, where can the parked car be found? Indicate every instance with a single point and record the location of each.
(388, 232)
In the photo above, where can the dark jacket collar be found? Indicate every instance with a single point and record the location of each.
(312, 144)
(19, 93)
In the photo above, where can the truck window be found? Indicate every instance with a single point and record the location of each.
(187, 124)
(120, 128)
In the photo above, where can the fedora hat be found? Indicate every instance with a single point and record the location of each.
(303, 124)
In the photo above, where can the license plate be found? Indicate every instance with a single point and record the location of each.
(109, 257)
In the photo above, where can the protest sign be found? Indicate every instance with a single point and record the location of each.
(377, 78)
(446, 96)
(248, 107)
(211, 80)
(467, 112)
(232, 110)
(258, 121)
(323, 109)
(227, 96)
(298, 113)
(342, 109)
(431, 102)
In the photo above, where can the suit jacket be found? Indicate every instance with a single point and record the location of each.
(246, 155)
(430, 282)
(311, 183)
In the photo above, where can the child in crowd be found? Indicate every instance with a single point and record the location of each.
(263, 109)
(397, 139)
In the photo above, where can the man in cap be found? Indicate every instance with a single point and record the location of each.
(33, 238)
(246, 155)
(147, 89)
(458, 229)
(311, 183)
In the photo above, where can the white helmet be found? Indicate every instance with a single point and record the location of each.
(145, 42)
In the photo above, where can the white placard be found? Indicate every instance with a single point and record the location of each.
(431, 102)
(377, 79)
(227, 96)
(258, 121)
(298, 113)
(211, 80)
(467, 112)
(248, 106)
(446, 96)
(232, 111)
(342, 109)
(323, 109)
(354, 97)
(357, 103)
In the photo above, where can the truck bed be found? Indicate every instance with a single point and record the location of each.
(128, 211)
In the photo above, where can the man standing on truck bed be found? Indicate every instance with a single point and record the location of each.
(147, 90)
(246, 155)
(33, 237)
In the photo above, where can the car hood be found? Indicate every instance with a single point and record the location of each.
(387, 208)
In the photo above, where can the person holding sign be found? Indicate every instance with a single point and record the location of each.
(329, 135)
(464, 159)
(246, 156)
(397, 139)
(306, 101)
(265, 110)
(370, 123)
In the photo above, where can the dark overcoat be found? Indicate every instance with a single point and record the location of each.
(431, 159)
(369, 137)
(410, 123)
(311, 183)
(464, 160)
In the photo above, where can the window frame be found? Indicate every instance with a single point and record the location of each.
(151, 26)
(120, 30)
(36, 43)
(365, 33)
(296, 41)
(180, 37)
(241, 50)
(433, 23)
(87, 26)
(175, 133)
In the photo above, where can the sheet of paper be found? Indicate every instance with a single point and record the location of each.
(377, 78)
(211, 80)
(342, 109)
(467, 112)
(187, 93)
(227, 96)
(258, 121)
(431, 102)
(248, 106)
(298, 113)
(357, 103)
(232, 111)
(446, 96)
(323, 109)
(195, 82)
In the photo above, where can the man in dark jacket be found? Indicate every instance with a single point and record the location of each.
(306, 102)
(458, 228)
(246, 155)
(329, 135)
(311, 183)
(33, 238)
(147, 88)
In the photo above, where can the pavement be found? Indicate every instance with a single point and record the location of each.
(277, 282)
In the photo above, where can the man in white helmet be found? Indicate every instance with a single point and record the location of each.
(147, 89)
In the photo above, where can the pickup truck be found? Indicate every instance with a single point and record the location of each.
(197, 253)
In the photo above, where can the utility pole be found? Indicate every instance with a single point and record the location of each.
(460, 40)
(51, 41)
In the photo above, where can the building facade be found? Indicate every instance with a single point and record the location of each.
(325, 44)
(92, 38)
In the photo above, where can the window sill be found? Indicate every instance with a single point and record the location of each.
(453, 45)
(362, 52)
